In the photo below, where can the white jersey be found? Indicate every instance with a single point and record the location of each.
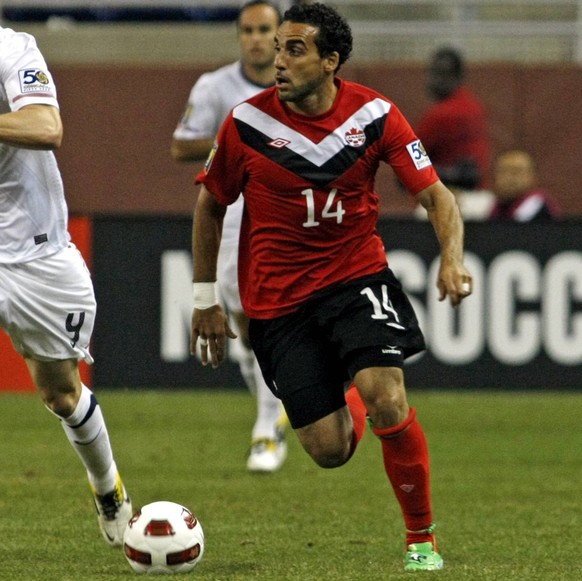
(210, 101)
(33, 211)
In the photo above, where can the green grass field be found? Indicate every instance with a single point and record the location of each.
(507, 491)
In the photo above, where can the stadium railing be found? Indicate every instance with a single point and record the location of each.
(487, 30)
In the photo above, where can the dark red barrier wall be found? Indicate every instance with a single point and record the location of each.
(119, 122)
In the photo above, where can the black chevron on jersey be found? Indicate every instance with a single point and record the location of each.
(320, 176)
(319, 163)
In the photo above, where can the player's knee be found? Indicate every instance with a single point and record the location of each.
(58, 383)
(336, 462)
(331, 461)
(62, 401)
(388, 410)
(331, 455)
(384, 394)
(329, 440)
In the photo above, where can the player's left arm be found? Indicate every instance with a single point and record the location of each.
(194, 136)
(32, 127)
(186, 150)
(454, 280)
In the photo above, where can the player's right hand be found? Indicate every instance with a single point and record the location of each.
(210, 328)
(454, 281)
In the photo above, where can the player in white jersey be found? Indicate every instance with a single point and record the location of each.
(47, 304)
(210, 101)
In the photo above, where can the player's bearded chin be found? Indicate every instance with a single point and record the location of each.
(294, 94)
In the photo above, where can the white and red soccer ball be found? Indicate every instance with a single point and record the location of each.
(163, 538)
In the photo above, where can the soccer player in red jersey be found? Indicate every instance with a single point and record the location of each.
(325, 310)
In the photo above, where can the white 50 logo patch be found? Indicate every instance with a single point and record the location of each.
(418, 154)
(34, 81)
(210, 157)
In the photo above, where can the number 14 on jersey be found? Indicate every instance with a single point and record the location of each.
(331, 210)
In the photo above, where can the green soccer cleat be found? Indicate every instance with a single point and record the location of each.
(422, 557)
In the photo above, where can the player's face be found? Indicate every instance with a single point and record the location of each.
(441, 79)
(513, 174)
(302, 74)
(257, 27)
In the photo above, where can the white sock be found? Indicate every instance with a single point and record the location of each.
(246, 364)
(86, 431)
(269, 409)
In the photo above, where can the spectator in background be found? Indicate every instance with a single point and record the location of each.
(517, 194)
(454, 129)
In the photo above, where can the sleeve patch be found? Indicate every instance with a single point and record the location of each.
(34, 81)
(418, 154)
(210, 157)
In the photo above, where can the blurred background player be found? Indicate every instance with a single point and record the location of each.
(210, 101)
(517, 194)
(454, 130)
(47, 303)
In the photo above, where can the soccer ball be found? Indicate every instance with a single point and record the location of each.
(162, 538)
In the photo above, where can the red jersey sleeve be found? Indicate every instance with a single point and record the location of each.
(405, 153)
(223, 175)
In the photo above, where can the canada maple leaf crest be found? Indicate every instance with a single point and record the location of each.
(355, 137)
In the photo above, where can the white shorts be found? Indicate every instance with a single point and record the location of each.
(227, 265)
(47, 306)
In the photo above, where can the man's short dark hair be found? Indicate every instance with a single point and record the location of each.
(456, 61)
(252, 3)
(334, 33)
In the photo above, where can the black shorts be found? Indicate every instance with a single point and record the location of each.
(307, 356)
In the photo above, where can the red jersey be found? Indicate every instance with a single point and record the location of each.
(531, 206)
(308, 182)
(454, 129)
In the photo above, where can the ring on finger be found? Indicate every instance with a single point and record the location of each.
(466, 287)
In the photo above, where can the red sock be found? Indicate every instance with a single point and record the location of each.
(407, 465)
(359, 412)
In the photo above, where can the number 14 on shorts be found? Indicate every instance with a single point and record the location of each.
(382, 307)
